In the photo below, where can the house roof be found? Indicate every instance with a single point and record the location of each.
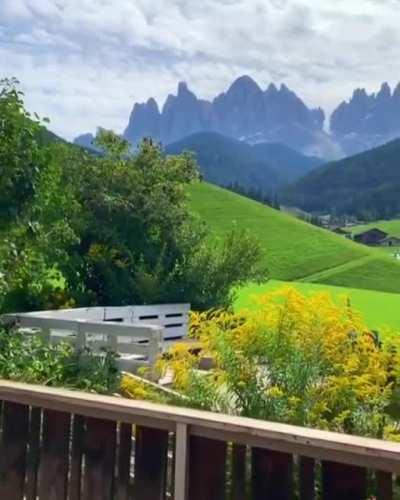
(391, 238)
(373, 232)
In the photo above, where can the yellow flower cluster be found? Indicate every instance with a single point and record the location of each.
(295, 358)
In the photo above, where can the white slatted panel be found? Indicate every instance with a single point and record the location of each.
(137, 333)
(174, 318)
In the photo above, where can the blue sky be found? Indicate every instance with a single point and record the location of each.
(83, 63)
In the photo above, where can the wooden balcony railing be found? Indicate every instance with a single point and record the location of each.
(58, 444)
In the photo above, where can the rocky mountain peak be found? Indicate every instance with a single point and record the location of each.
(367, 120)
(244, 112)
(272, 89)
(244, 85)
(385, 92)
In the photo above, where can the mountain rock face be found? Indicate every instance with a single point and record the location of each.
(367, 120)
(244, 112)
(85, 140)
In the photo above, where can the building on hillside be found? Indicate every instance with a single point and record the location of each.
(371, 237)
(390, 241)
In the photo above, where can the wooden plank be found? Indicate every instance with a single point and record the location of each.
(48, 323)
(271, 474)
(99, 449)
(207, 460)
(75, 480)
(119, 329)
(32, 464)
(384, 482)
(151, 448)
(181, 462)
(321, 445)
(307, 478)
(124, 462)
(238, 472)
(343, 481)
(13, 449)
(53, 466)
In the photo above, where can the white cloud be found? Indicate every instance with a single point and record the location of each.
(84, 62)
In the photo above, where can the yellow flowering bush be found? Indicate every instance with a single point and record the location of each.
(298, 359)
(134, 388)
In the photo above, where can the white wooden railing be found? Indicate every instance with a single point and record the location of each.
(137, 333)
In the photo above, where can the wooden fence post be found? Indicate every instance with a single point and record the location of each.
(181, 462)
(346, 482)
(13, 450)
(151, 449)
(207, 464)
(53, 465)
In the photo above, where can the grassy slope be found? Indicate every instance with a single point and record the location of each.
(293, 249)
(392, 227)
(378, 308)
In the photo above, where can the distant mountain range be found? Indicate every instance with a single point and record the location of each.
(244, 112)
(366, 185)
(367, 120)
(264, 166)
(250, 114)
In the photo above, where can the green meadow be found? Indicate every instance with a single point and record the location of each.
(293, 248)
(296, 250)
(311, 257)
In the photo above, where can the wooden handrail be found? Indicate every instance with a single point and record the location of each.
(58, 443)
(318, 444)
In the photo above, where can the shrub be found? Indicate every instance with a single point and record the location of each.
(135, 388)
(300, 360)
(31, 359)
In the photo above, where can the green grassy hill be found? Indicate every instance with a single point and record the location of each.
(295, 250)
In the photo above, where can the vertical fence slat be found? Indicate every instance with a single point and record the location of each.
(32, 464)
(307, 478)
(342, 481)
(207, 461)
(99, 449)
(384, 482)
(238, 472)
(181, 462)
(151, 449)
(271, 474)
(53, 465)
(124, 461)
(75, 483)
(13, 450)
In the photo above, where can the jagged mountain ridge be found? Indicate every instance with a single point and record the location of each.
(244, 112)
(367, 120)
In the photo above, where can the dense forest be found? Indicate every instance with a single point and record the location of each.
(366, 185)
(225, 161)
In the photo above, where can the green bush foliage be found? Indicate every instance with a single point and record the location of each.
(105, 229)
(30, 359)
